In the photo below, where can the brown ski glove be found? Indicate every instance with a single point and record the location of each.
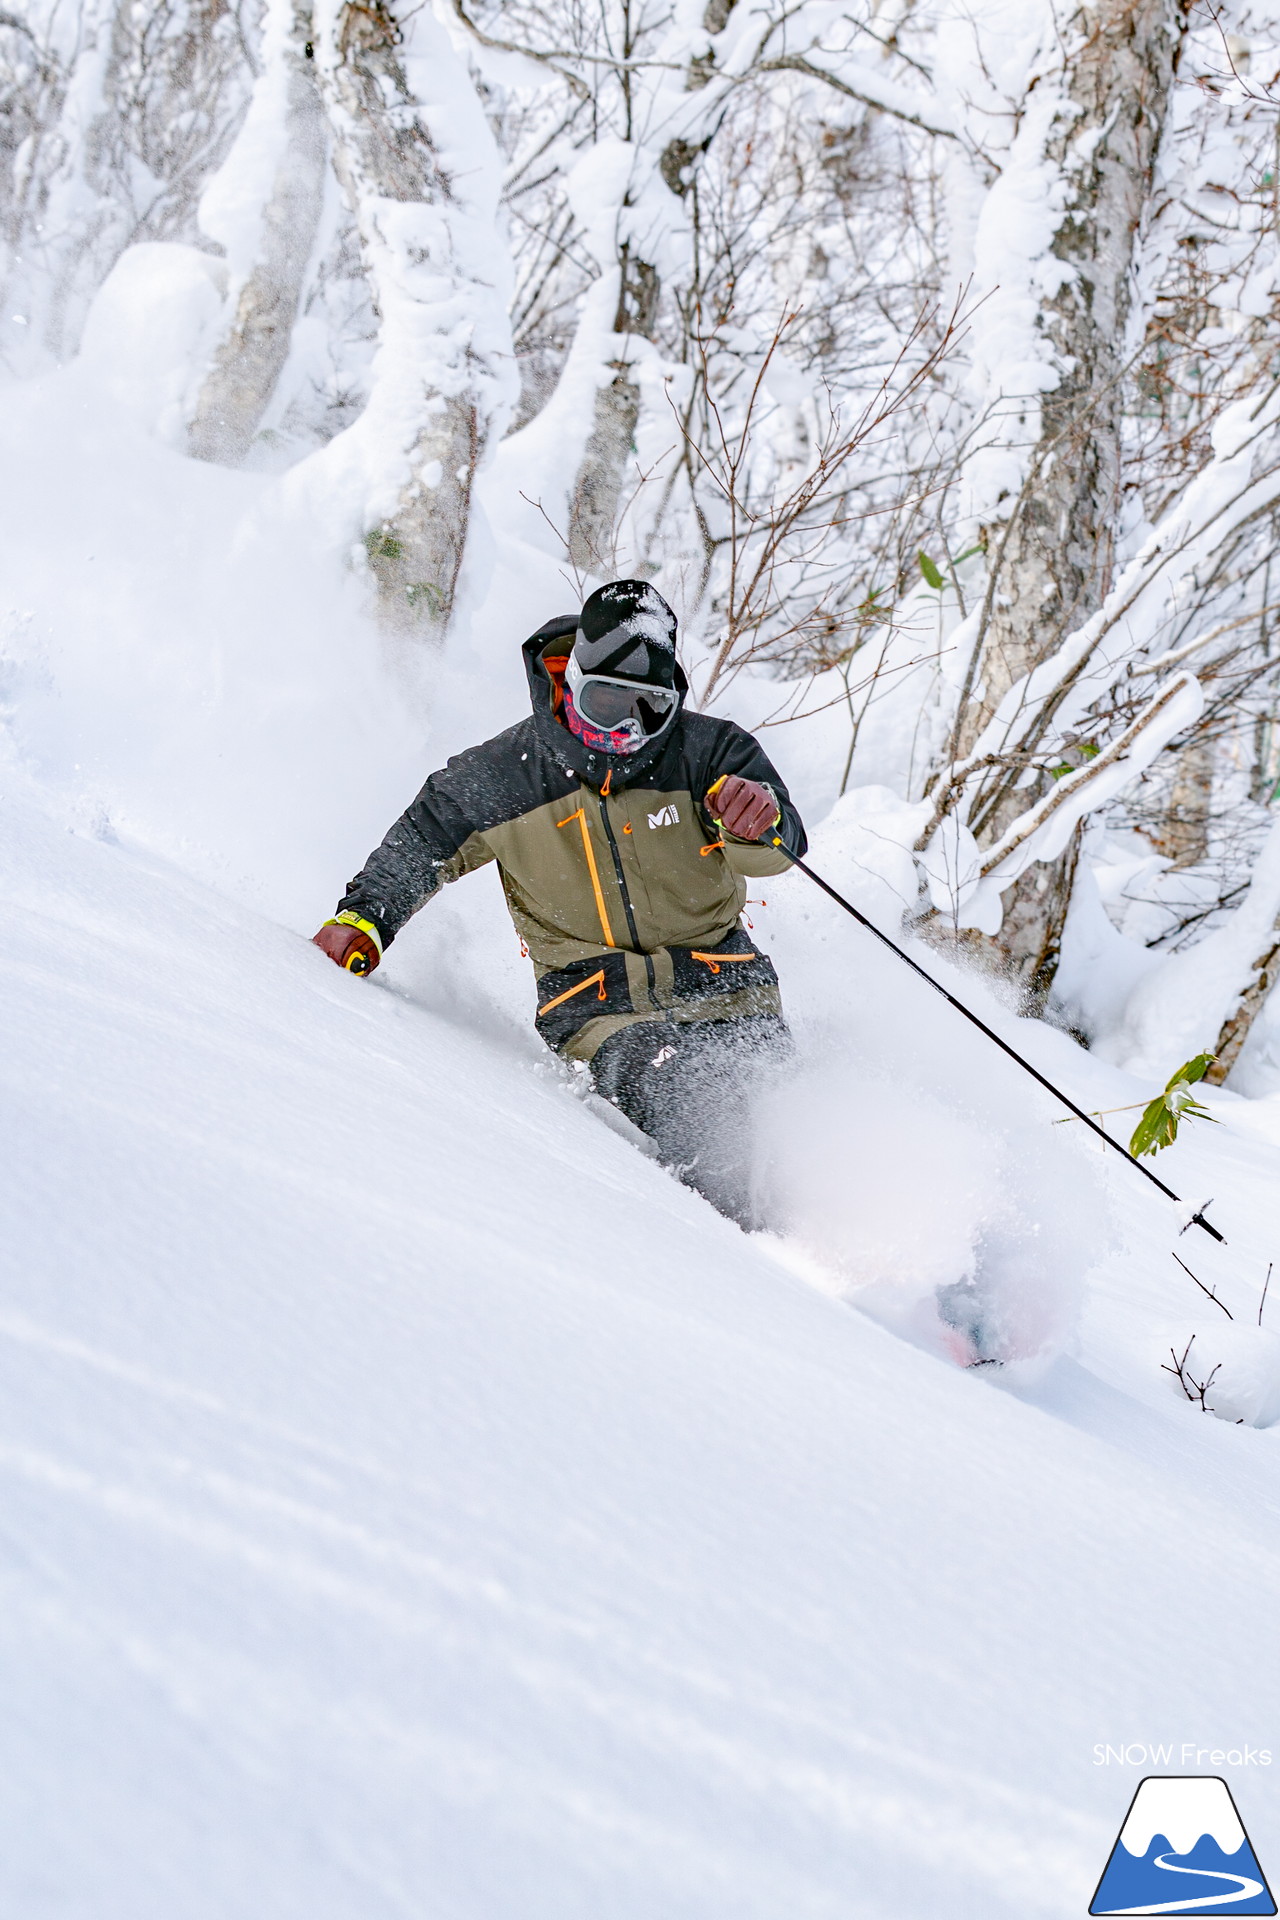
(742, 807)
(350, 942)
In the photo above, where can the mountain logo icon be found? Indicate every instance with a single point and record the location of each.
(1183, 1850)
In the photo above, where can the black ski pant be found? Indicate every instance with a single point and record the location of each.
(689, 1086)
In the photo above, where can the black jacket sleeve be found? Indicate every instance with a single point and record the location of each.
(431, 843)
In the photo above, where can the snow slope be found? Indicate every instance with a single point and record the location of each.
(415, 1502)
(412, 1501)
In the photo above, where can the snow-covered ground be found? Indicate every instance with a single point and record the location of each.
(414, 1502)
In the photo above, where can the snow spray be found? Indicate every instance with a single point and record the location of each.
(1197, 1219)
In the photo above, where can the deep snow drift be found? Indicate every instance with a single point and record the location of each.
(414, 1501)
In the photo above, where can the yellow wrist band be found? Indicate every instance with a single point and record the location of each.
(348, 919)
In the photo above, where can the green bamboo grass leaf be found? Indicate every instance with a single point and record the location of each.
(1194, 1070)
(1157, 1128)
(932, 577)
(1159, 1124)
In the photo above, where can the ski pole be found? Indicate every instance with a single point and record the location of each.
(1197, 1219)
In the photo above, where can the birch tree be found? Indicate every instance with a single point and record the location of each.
(125, 113)
(1097, 122)
(283, 149)
(443, 369)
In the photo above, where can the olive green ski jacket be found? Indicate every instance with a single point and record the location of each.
(623, 888)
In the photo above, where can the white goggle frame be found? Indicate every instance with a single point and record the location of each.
(664, 699)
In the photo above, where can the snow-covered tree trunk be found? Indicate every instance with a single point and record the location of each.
(610, 449)
(282, 149)
(1234, 1031)
(34, 77)
(125, 112)
(444, 368)
(1052, 558)
(1055, 554)
(55, 209)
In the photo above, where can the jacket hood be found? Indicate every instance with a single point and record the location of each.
(584, 762)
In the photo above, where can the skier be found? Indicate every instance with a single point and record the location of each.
(625, 829)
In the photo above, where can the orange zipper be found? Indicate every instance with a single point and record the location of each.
(591, 981)
(581, 817)
(716, 960)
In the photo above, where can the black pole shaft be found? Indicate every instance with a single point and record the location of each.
(1197, 1219)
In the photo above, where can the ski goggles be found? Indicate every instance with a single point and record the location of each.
(620, 706)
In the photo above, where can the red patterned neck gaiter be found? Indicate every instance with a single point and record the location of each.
(599, 739)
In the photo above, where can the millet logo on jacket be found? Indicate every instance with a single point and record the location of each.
(665, 817)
